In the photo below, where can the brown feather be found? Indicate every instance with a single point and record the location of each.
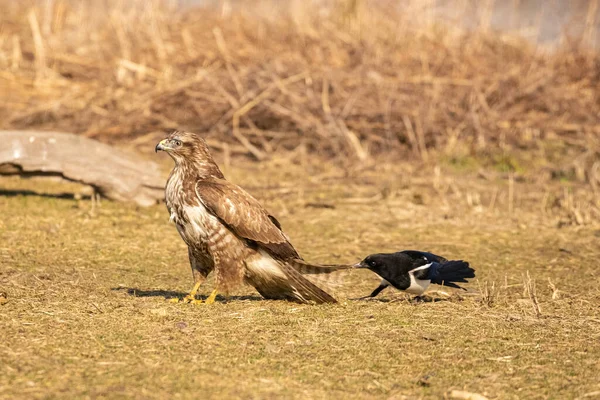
(328, 277)
(201, 263)
(245, 216)
(307, 290)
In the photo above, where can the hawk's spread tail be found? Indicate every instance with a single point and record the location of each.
(289, 279)
(304, 290)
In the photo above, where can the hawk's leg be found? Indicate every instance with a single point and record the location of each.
(199, 278)
(201, 267)
(212, 297)
(225, 274)
(191, 297)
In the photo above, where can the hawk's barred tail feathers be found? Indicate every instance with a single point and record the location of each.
(327, 277)
(306, 290)
(316, 269)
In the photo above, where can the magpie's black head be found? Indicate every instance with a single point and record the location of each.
(378, 263)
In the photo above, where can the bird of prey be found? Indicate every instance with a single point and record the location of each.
(228, 231)
(412, 271)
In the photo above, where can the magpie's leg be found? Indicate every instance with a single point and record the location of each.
(375, 292)
(379, 288)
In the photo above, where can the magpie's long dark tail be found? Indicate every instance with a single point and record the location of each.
(450, 272)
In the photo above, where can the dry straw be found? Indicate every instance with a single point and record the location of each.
(338, 78)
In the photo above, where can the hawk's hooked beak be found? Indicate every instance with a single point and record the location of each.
(162, 145)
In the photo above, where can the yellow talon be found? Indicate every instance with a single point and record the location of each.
(186, 300)
(212, 297)
(191, 297)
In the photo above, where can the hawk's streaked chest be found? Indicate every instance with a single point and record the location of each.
(194, 222)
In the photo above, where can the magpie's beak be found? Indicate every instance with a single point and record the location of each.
(359, 265)
(162, 145)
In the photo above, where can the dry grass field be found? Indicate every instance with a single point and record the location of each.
(87, 316)
(365, 127)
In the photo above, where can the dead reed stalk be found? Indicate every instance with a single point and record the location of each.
(345, 80)
(489, 293)
(529, 288)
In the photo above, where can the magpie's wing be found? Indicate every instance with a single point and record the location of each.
(432, 273)
(423, 255)
(423, 274)
(447, 273)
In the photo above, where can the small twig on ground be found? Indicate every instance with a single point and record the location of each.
(529, 285)
(488, 293)
(461, 394)
(555, 291)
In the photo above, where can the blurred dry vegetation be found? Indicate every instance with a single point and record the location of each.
(351, 81)
(338, 77)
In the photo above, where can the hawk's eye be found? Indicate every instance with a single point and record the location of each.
(372, 263)
(177, 142)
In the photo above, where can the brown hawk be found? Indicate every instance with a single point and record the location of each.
(228, 231)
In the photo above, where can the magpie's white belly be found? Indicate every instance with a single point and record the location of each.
(418, 286)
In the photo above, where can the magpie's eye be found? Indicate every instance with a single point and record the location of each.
(177, 142)
(372, 263)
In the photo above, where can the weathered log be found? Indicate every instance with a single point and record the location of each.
(113, 173)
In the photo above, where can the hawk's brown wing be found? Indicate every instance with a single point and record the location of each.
(245, 216)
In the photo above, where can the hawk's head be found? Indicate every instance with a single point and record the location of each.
(190, 153)
(185, 146)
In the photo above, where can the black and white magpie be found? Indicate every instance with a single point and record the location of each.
(412, 271)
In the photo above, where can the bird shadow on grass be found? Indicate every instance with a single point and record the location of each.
(15, 193)
(409, 300)
(136, 292)
(172, 294)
